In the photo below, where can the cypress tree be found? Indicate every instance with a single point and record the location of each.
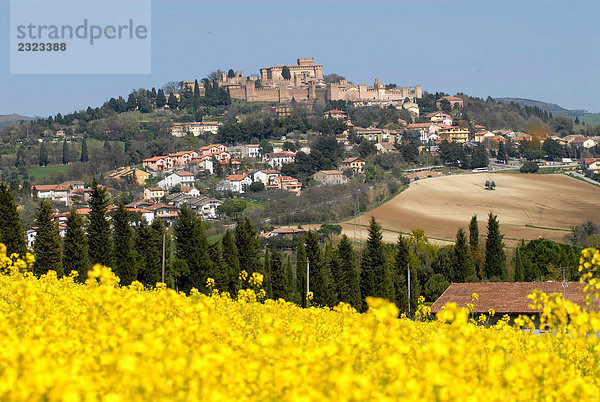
(125, 265)
(289, 282)
(161, 99)
(301, 260)
(173, 102)
(320, 281)
(99, 239)
(47, 245)
(148, 254)
(347, 283)
(247, 246)
(65, 153)
(196, 89)
(43, 156)
(278, 277)
(375, 278)
(464, 267)
(218, 268)
(232, 263)
(266, 271)
(474, 234)
(12, 234)
(84, 151)
(401, 261)
(191, 246)
(327, 284)
(75, 247)
(20, 159)
(519, 271)
(495, 258)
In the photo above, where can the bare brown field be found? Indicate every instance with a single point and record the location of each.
(440, 206)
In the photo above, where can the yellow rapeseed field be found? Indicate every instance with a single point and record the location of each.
(60, 340)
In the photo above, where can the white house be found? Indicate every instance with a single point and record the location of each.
(278, 159)
(181, 177)
(236, 183)
(54, 192)
(191, 191)
(251, 151)
(266, 176)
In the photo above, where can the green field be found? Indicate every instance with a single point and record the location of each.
(39, 173)
(592, 119)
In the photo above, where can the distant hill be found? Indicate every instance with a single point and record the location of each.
(553, 108)
(10, 119)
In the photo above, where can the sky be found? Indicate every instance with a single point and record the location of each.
(543, 50)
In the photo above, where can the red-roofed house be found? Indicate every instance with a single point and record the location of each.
(153, 194)
(237, 183)
(286, 183)
(356, 164)
(278, 159)
(335, 114)
(212, 149)
(54, 192)
(452, 99)
(158, 163)
(183, 158)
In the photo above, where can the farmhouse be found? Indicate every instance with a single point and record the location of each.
(453, 101)
(330, 177)
(158, 163)
(236, 183)
(506, 297)
(54, 192)
(181, 177)
(278, 159)
(153, 193)
(355, 164)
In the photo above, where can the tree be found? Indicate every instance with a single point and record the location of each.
(256, 187)
(12, 234)
(173, 102)
(502, 156)
(47, 245)
(232, 263)
(561, 125)
(347, 282)
(495, 258)
(266, 271)
(231, 73)
(20, 159)
(65, 153)
(375, 278)
(285, 73)
(278, 279)
(529, 167)
(400, 270)
(99, 240)
(266, 147)
(125, 265)
(474, 233)
(75, 247)
(320, 280)
(301, 262)
(464, 267)
(191, 246)
(446, 106)
(519, 273)
(247, 246)
(161, 99)
(43, 156)
(84, 151)
(435, 286)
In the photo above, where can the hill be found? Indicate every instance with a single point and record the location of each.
(10, 119)
(553, 108)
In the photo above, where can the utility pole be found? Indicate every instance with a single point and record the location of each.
(408, 271)
(163, 258)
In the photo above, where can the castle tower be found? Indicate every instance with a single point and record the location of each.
(312, 94)
(250, 96)
(418, 91)
(283, 92)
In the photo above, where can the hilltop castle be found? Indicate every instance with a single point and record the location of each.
(307, 83)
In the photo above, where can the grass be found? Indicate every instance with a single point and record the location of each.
(41, 172)
(592, 119)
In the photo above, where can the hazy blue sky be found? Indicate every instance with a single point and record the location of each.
(544, 50)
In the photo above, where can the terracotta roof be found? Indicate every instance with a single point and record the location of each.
(236, 177)
(184, 173)
(505, 297)
(154, 158)
(52, 187)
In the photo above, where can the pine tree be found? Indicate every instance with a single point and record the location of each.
(347, 283)
(12, 234)
(191, 246)
(232, 263)
(375, 278)
(495, 258)
(301, 262)
(161, 99)
(474, 234)
(218, 268)
(501, 152)
(519, 270)
(464, 267)
(47, 245)
(247, 246)
(320, 280)
(43, 156)
(65, 153)
(125, 265)
(99, 240)
(84, 151)
(148, 253)
(278, 277)
(75, 247)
